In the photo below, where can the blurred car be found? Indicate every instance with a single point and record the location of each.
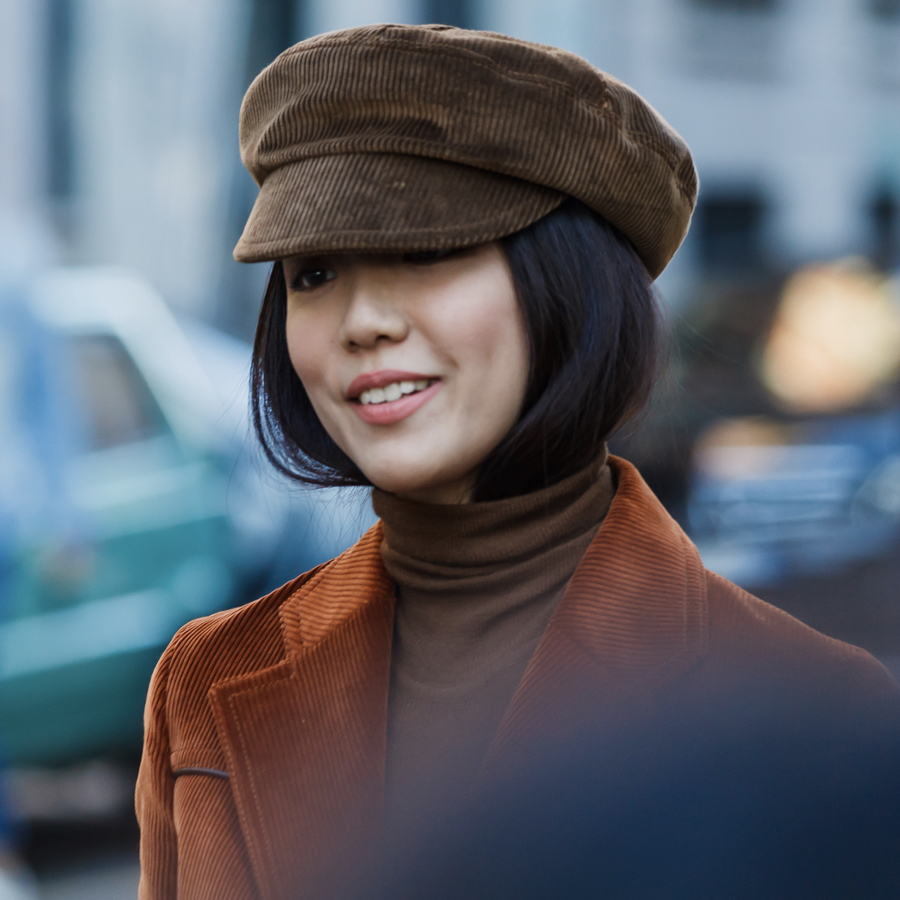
(770, 500)
(131, 501)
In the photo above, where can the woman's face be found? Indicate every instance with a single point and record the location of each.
(416, 364)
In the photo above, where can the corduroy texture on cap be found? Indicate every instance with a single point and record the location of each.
(396, 137)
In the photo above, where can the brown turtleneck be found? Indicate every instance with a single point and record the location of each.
(476, 586)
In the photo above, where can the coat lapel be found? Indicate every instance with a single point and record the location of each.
(633, 616)
(305, 740)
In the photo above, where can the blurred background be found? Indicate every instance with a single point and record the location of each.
(131, 498)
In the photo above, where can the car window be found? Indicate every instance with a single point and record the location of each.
(116, 402)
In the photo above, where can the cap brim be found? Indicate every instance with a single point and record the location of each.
(385, 202)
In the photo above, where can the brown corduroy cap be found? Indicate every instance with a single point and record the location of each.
(398, 137)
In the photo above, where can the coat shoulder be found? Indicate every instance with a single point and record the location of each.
(233, 641)
(762, 638)
(208, 650)
(249, 638)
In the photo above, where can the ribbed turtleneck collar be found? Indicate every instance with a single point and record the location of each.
(476, 586)
(479, 537)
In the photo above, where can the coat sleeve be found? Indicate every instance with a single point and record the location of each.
(154, 796)
(752, 640)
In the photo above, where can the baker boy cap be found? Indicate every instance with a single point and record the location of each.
(396, 137)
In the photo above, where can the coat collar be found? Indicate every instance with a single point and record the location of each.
(637, 601)
(305, 740)
(633, 616)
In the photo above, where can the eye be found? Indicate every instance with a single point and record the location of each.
(428, 256)
(308, 278)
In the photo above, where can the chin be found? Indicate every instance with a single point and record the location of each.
(422, 486)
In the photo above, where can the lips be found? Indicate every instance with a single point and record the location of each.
(381, 379)
(381, 407)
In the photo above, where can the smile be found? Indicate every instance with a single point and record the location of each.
(388, 396)
(393, 391)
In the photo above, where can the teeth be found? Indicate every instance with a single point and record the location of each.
(392, 391)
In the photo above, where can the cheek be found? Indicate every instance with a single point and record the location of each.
(307, 343)
(314, 350)
(497, 349)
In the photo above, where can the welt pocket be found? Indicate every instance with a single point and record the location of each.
(199, 770)
(197, 761)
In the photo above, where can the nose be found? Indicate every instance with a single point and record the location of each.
(373, 313)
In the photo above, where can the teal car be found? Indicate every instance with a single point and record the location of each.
(130, 502)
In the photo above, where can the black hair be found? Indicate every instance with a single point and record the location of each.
(593, 329)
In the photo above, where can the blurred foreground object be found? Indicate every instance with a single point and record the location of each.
(835, 339)
(752, 793)
(129, 504)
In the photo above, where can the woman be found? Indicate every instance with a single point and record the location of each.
(464, 229)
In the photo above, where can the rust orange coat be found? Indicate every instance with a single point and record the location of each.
(265, 725)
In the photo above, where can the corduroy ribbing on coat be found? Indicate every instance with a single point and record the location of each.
(265, 725)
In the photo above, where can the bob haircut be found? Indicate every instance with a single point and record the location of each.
(593, 330)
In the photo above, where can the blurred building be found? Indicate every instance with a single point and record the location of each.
(791, 107)
(119, 141)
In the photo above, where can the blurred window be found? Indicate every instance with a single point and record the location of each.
(730, 232)
(882, 48)
(731, 39)
(273, 28)
(450, 12)
(739, 5)
(59, 98)
(885, 9)
(885, 213)
(117, 405)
